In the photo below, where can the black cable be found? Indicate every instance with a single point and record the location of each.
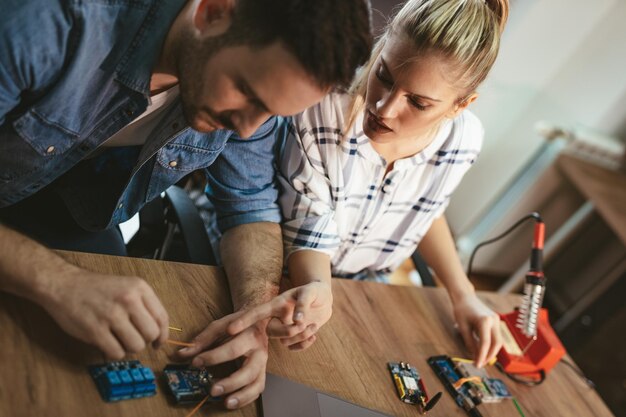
(588, 381)
(520, 380)
(533, 215)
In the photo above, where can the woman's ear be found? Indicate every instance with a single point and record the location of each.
(459, 107)
(213, 17)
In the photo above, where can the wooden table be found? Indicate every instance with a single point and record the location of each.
(44, 371)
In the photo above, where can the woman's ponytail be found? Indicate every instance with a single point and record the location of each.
(501, 9)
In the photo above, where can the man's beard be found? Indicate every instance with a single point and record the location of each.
(191, 61)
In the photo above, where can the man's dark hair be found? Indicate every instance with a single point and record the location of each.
(330, 38)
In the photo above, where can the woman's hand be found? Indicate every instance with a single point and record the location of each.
(297, 315)
(479, 326)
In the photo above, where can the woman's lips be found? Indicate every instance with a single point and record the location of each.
(376, 125)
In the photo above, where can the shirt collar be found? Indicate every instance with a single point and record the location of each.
(134, 69)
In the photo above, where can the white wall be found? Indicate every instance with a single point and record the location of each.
(563, 61)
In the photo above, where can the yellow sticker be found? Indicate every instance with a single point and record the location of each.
(510, 345)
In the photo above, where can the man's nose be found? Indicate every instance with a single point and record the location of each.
(250, 123)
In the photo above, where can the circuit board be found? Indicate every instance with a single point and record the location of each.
(468, 385)
(450, 376)
(409, 385)
(189, 385)
(123, 380)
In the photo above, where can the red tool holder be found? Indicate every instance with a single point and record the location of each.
(541, 354)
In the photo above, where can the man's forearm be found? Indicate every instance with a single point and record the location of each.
(25, 266)
(252, 255)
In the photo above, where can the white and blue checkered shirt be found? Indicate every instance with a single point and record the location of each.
(336, 198)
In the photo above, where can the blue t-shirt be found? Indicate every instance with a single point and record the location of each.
(72, 73)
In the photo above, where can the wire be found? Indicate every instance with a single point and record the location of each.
(530, 382)
(519, 409)
(588, 381)
(197, 407)
(178, 343)
(533, 215)
(461, 381)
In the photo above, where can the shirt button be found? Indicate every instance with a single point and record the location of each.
(50, 149)
(129, 112)
(173, 164)
(120, 206)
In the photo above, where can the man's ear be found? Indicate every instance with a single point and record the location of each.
(458, 108)
(213, 17)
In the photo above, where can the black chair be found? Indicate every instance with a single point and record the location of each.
(422, 269)
(171, 229)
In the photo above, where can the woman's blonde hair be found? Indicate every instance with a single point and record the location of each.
(465, 32)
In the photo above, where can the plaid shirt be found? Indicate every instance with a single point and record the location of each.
(336, 198)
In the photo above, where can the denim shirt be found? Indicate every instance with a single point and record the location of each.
(74, 72)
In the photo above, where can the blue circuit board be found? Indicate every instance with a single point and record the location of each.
(123, 380)
(189, 385)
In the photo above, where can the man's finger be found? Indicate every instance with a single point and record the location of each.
(252, 391)
(231, 350)
(244, 376)
(261, 312)
(110, 346)
(144, 323)
(207, 337)
(156, 309)
(128, 336)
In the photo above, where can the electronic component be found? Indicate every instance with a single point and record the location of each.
(489, 390)
(466, 395)
(410, 386)
(497, 388)
(531, 347)
(521, 355)
(123, 380)
(189, 385)
(535, 286)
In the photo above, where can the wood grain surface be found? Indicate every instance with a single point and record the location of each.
(44, 371)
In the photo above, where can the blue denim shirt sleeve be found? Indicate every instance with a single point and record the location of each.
(34, 36)
(241, 182)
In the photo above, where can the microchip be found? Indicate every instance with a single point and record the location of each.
(189, 385)
(408, 384)
(123, 380)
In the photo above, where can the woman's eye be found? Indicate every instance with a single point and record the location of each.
(417, 105)
(382, 77)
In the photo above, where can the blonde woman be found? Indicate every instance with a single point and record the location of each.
(367, 175)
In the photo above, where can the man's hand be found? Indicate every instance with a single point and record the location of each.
(297, 314)
(117, 314)
(246, 384)
(479, 326)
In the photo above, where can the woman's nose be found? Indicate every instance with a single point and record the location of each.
(386, 106)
